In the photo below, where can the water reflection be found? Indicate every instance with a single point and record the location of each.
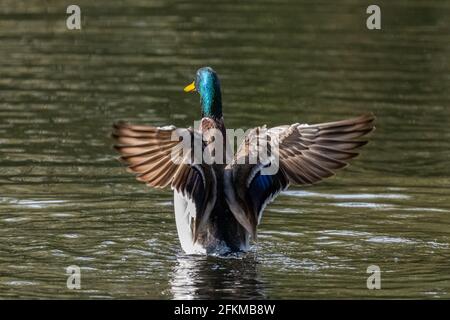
(199, 277)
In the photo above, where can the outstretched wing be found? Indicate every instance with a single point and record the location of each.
(163, 156)
(307, 154)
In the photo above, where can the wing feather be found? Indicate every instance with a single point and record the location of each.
(148, 151)
(307, 155)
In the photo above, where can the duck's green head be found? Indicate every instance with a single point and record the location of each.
(207, 84)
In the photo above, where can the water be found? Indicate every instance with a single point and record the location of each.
(65, 201)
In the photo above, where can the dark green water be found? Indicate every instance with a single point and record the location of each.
(64, 200)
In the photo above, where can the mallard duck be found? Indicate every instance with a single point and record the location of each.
(219, 205)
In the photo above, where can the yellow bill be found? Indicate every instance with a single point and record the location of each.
(190, 87)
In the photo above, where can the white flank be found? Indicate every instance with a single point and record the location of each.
(184, 212)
